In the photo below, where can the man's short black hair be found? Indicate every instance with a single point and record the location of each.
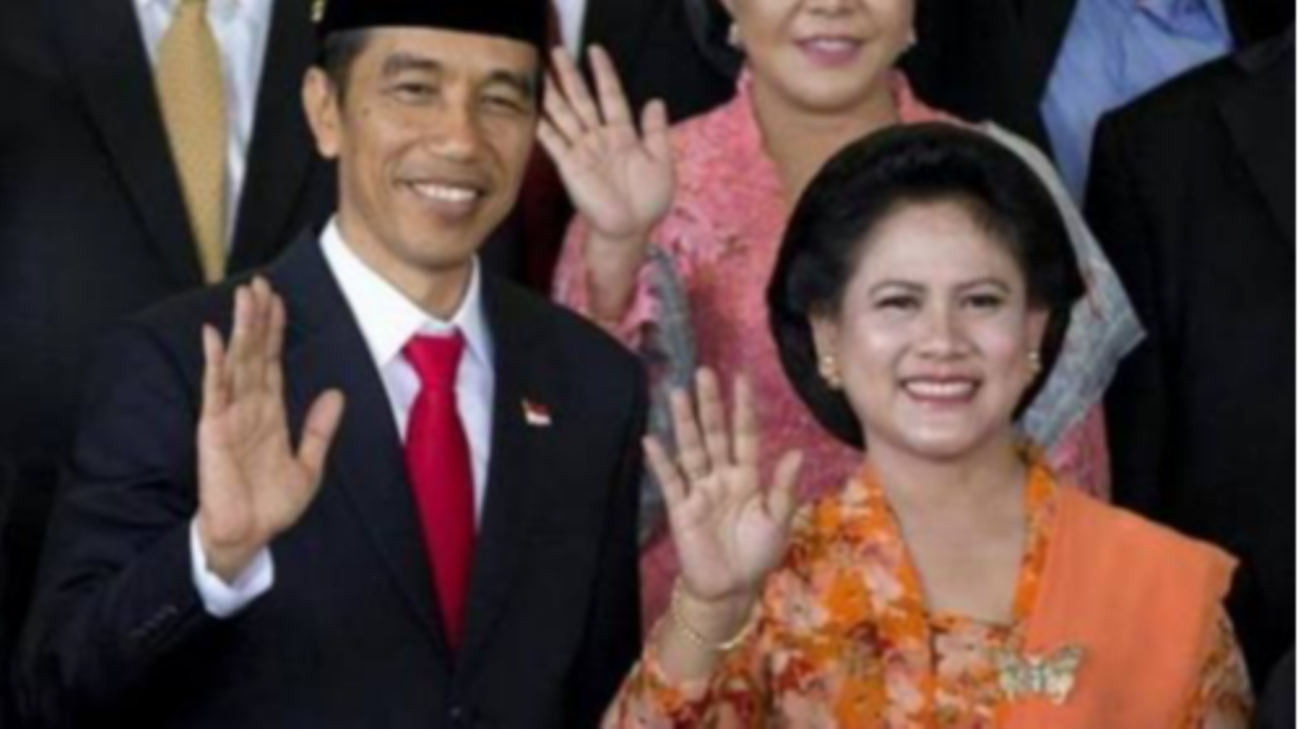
(338, 52)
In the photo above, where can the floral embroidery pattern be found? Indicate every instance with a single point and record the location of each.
(844, 638)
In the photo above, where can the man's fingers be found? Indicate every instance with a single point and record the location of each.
(319, 430)
(274, 367)
(237, 346)
(251, 339)
(214, 384)
(246, 343)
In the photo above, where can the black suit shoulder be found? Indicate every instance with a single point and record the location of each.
(569, 335)
(1186, 94)
(1187, 97)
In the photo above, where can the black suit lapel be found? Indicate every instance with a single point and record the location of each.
(281, 153)
(366, 464)
(518, 458)
(105, 50)
(1260, 117)
(1043, 27)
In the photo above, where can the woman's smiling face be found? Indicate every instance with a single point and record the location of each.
(934, 333)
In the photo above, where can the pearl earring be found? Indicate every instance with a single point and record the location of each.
(830, 372)
(733, 38)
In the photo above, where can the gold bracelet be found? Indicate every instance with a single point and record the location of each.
(677, 615)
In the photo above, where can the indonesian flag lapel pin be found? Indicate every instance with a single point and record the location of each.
(536, 414)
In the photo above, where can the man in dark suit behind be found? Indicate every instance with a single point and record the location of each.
(93, 222)
(452, 541)
(1193, 196)
(993, 59)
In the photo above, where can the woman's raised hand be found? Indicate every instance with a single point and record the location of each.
(620, 180)
(730, 531)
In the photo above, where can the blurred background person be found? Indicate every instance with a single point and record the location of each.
(1193, 195)
(922, 288)
(698, 212)
(1048, 69)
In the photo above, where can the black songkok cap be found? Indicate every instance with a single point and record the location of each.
(521, 20)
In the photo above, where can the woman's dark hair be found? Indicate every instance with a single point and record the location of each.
(865, 184)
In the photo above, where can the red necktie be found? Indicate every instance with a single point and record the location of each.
(437, 459)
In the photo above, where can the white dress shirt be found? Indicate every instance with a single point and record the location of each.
(572, 21)
(241, 28)
(388, 320)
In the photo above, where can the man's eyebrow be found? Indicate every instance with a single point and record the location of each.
(402, 62)
(522, 83)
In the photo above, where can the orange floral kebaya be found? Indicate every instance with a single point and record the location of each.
(844, 638)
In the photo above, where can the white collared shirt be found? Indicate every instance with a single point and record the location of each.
(241, 28)
(388, 320)
(572, 22)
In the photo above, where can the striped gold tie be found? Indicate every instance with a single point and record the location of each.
(192, 93)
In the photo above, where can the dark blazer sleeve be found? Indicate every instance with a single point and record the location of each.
(115, 596)
(1138, 400)
(612, 641)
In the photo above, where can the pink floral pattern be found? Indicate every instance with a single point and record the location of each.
(723, 233)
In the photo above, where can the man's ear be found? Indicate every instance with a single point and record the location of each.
(323, 107)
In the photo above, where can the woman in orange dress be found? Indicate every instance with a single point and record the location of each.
(918, 303)
(678, 229)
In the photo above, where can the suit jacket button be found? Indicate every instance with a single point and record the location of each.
(460, 716)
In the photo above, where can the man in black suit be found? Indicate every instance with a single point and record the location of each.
(488, 577)
(1193, 196)
(93, 222)
(1278, 707)
(993, 59)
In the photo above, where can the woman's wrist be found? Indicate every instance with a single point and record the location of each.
(612, 270)
(718, 625)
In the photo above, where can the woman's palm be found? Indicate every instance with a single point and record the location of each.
(621, 181)
(730, 532)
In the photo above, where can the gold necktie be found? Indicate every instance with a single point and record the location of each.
(192, 93)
